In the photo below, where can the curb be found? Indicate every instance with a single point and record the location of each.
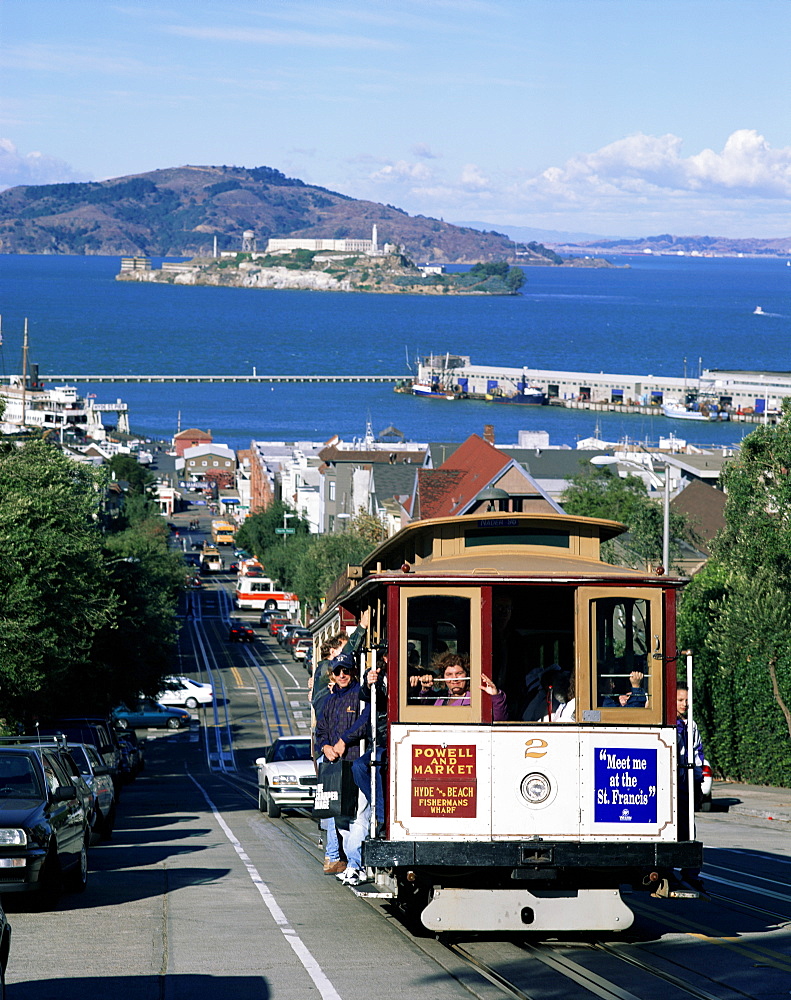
(778, 817)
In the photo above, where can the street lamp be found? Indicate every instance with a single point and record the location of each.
(601, 460)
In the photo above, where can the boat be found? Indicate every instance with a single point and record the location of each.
(432, 390)
(525, 395)
(758, 311)
(678, 411)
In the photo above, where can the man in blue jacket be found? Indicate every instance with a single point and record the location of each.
(337, 737)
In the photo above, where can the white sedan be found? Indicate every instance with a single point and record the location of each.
(185, 691)
(286, 776)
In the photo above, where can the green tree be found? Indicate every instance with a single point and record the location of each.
(324, 560)
(134, 651)
(54, 596)
(598, 492)
(737, 619)
(127, 468)
(259, 531)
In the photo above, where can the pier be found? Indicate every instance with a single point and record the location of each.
(238, 379)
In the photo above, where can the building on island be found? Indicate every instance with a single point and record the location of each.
(370, 247)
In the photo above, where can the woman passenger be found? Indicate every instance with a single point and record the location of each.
(454, 671)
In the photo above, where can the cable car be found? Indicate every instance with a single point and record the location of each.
(533, 815)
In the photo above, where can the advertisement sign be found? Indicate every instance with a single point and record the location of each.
(624, 785)
(444, 781)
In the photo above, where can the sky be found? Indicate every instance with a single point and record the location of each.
(608, 117)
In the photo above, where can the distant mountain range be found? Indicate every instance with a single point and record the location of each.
(575, 243)
(178, 212)
(704, 246)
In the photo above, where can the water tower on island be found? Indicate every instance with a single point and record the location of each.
(248, 241)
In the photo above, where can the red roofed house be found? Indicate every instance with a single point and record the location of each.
(190, 438)
(475, 479)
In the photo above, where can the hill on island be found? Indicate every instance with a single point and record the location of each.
(179, 211)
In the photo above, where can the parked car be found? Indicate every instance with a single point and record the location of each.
(44, 832)
(704, 795)
(241, 632)
(286, 776)
(131, 751)
(295, 635)
(285, 631)
(276, 622)
(98, 778)
(58, 745)
(149, 714)
(301, 648)
(99, 733)
(185, 691)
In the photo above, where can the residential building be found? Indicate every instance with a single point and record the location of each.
(191, 438)
(477, 478)
(207, 463)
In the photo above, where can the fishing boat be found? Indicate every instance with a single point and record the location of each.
(678, 411)
(758, 311)
(432, 390)
(525, 395)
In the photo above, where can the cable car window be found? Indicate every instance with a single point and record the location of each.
(622, 646)
(438, 649)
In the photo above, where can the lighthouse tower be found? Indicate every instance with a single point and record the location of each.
(374, 240)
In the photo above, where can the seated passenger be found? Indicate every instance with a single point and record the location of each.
(626, 697)
(563, 703)
(556, 690)
(454, 669)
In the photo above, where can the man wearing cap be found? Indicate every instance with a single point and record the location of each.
(337, 737)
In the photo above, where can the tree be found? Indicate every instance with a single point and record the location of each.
(54, 596)
(368, 526)
(324, 560)
(598, 492)
(126, 468)
(737, 619)
(259, 531)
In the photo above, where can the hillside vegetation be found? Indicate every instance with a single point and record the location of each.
(179, 211)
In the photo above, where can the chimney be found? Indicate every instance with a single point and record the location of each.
(488, 434)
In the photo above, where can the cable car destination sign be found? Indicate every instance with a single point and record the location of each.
(444, 781)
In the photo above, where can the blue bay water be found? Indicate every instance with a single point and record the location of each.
(644, 319)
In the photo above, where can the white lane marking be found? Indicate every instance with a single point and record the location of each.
(311, 966)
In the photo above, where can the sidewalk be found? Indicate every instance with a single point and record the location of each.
(758, 801)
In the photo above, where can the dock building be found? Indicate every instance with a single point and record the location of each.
(748, 391)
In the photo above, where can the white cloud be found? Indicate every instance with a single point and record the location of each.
(633, 185)
(32, 168)
(402, 172)
(472, 179)
(652, 167)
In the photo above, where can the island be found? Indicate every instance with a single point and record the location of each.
(328, 271)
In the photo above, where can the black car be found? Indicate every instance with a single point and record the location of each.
(241, 632)
(44, 833)
(96, 731)
(132, 754)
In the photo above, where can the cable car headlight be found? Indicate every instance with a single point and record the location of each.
(535, 788)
